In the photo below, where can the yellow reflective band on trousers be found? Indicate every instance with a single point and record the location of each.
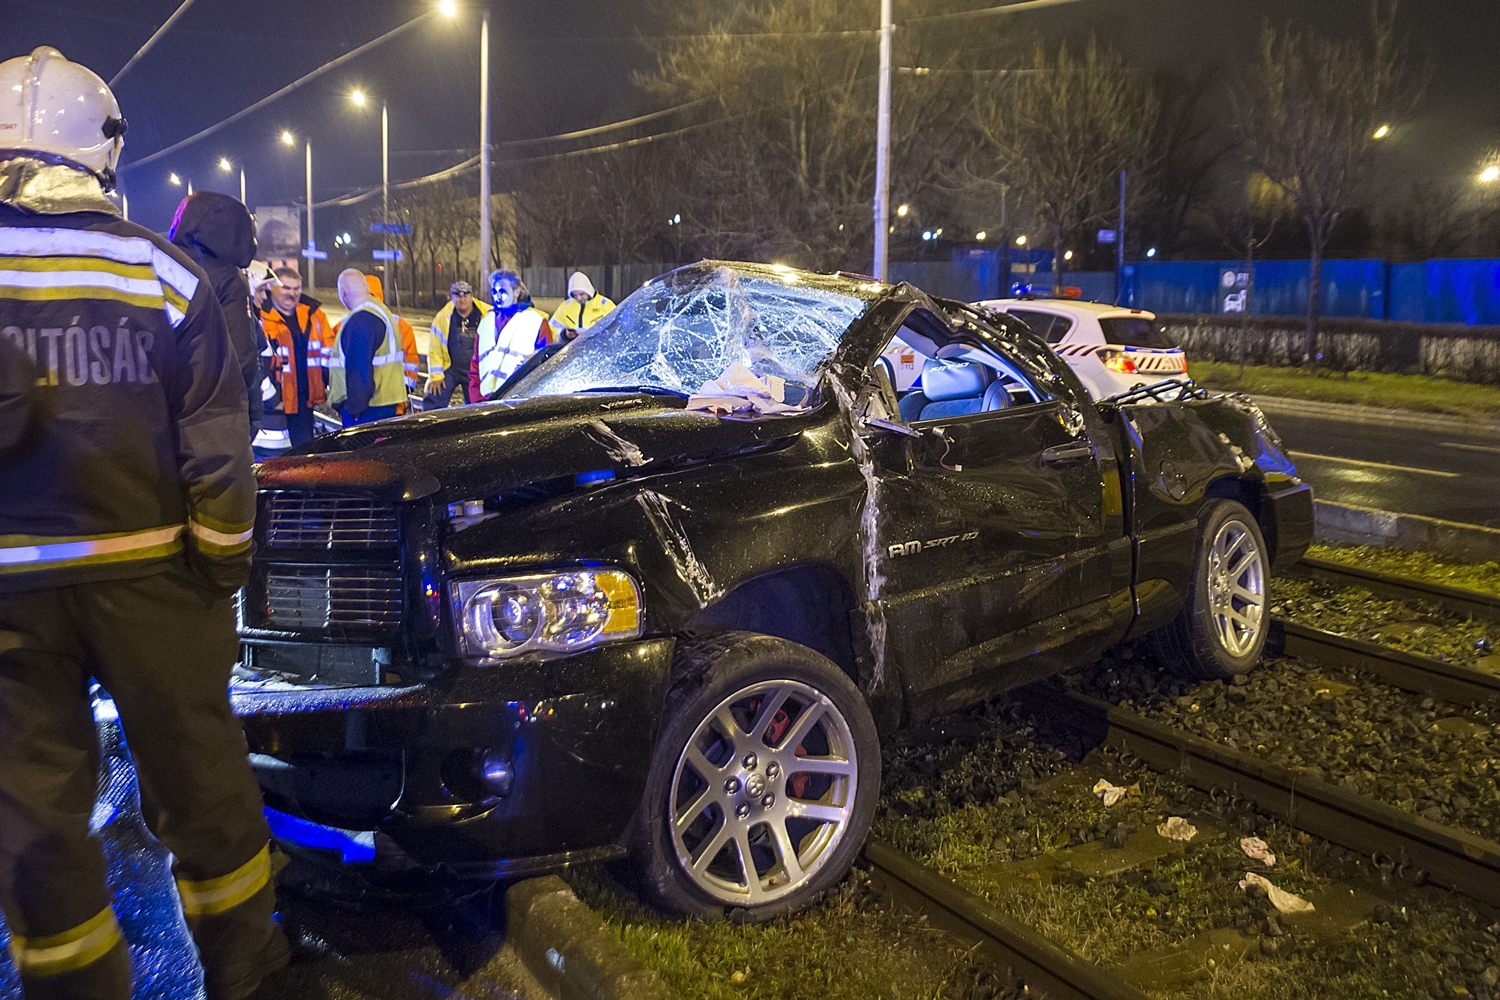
(218, 895)
(27, 553)
(70, 950)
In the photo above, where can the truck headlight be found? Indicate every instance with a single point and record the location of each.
(545, 612)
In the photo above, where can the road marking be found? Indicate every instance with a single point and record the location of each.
(1373, 465)
(1472, 447)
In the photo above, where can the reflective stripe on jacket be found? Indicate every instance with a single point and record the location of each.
(575, 315)
(498, 355)
(319, 349)
(142, 447)
(438, 357)
(389, 363)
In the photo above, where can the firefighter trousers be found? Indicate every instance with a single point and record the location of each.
(163, 647)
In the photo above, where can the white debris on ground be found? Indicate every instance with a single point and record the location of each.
(1176, 828)
(1285, 902)
(1258, 850)
(740, 390)
(1112, 793)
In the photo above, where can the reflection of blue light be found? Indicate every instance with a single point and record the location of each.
(589, 478)
(353, 846)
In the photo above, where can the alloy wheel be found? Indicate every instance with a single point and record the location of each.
(1236, 587)
(763, 792)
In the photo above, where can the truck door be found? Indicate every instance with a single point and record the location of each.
(1001, 545)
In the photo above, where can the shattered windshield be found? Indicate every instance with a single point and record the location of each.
(686, 328)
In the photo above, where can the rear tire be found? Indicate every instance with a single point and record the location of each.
(1222, 629)
(792, 763)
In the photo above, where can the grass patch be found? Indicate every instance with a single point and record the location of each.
(1423, 393)
(848, 946)
(1481, 577)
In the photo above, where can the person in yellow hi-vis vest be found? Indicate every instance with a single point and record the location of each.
(367, 370)
(583, 308)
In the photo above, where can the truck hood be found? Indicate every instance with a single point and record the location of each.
(477, 452)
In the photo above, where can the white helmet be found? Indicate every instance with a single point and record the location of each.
(61, 112)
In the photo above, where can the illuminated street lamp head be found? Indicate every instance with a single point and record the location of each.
(1020, 241)
(1068, 255)
(901, 212)
(288, 139)
(225, 165)
(980, 235)
(1490, 174)
(1381, 132)
(448, 8)
(358, 97)
(175, 180)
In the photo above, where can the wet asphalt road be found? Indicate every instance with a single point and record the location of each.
(1445, 474)
(389, 948)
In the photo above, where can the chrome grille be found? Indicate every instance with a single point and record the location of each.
(325, 597)
(318, 520)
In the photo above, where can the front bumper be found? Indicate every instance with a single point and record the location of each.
(577, 734)
(1293, 516)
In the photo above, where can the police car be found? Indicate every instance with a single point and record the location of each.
(1109, 348)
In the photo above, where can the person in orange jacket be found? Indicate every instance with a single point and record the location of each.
(300, 339)
(413, 362)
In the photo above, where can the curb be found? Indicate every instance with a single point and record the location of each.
(568, 949)
(1354, 413)
(1465, 543)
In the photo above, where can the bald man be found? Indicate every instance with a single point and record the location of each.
(366, 375)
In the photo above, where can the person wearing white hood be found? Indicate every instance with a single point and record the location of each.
(583, 308)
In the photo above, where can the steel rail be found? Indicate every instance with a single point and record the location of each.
(1450, 857)
(1408, 671)
(1045, 967)
(1401, 588)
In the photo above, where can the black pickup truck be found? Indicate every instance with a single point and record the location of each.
(599, 618)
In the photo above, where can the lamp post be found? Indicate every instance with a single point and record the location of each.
(312, 243)
(883, 148)
(485, 260)
(228, 167)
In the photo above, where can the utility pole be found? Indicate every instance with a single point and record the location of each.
(883, 149)
(385, 199)
(485, 261)
(1120, 246)
(312, 243)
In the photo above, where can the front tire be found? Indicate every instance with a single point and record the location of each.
(763, 783)
(1222, 630)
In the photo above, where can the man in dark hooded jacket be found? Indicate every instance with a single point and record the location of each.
(217, 232)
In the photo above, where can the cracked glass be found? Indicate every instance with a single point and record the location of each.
(686, 328)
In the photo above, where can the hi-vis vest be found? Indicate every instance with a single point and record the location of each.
(499, 356)
(389, 362)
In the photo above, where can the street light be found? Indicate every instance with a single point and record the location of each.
(1381, 132)
(358, 97)
(1020, 241)
(174, 180)
(287, 139)
(448, 8)
(1490, 174)
(980, 235)
(901, 212)
(228, 167)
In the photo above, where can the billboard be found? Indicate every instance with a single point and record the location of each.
(278, 230)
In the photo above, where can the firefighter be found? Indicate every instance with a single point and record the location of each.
(125, 528)
(367, 369)
(508, 335)
(582, 309)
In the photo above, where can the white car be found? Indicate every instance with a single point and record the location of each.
(1109, 348)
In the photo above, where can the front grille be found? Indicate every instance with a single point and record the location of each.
(332, 597)
(318, 520)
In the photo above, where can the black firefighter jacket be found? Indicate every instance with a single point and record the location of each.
(216, 231)
(139, 449)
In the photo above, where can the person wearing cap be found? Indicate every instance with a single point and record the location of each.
(127, 509)
(450, 351)
(584, 307)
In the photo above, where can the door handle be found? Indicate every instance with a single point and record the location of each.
(1063, 454)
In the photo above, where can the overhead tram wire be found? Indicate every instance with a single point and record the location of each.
(320, 71)
(141, 52)
(1009, 8)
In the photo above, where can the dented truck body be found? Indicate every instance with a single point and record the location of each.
(936, 561)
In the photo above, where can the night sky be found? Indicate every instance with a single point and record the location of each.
(566, 64)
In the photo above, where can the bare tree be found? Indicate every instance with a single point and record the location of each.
(1246, 227)
(1063, 128)
(1436, 220)
(1308, 116)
